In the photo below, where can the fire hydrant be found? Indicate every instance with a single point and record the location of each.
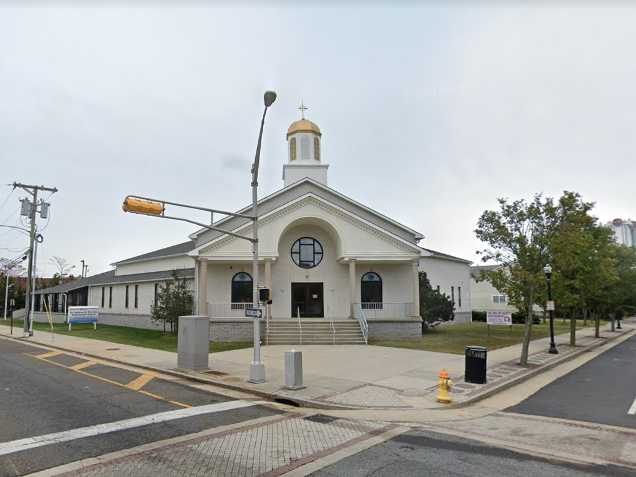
(444, 387)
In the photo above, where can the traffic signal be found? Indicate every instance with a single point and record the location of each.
(263, 295)
(140, 206)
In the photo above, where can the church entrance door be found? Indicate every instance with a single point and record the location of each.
(307, 300)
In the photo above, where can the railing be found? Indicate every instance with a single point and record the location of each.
(227, 310)
(300, 326)
(375, 310)
(362, 321)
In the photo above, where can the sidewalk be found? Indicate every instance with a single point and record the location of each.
(348, 376)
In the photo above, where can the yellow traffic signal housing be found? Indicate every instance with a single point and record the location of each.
(140, 206)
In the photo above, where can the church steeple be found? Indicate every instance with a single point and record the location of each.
(304, 151)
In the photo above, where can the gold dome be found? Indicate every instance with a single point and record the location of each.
(303, 125)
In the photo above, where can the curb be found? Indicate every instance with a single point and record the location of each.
(280, 397)
(310, 403)
(535, 372)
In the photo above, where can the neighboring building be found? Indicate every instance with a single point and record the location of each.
(484, 296)
(322, 255)
(624, 231)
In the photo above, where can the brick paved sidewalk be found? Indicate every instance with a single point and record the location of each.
(268, 448)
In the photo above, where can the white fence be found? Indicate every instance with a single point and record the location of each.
(379, 310)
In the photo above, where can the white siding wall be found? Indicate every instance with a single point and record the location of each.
(449, 273)
(145, 298)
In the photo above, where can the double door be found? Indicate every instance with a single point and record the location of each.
(307, 300)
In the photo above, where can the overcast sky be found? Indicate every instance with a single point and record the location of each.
(428, 113)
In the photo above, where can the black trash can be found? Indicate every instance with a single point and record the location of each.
(475, 368)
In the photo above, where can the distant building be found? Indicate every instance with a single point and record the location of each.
(484, 296)
(624, 231)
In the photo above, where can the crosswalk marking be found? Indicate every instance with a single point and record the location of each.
(632, 410)
(49, 354)
(89, 431)
(138, 383)
(83, 365)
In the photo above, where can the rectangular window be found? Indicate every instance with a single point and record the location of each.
(459, 296)
(110, 297)
(126, 298)
(136, 296)
(453, 295)
(154, 300)
(103, 296)
(499, 299)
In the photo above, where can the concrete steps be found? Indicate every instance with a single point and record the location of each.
(315, 331)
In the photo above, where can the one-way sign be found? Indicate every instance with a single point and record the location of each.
(254, 313)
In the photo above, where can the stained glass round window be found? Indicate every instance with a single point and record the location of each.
(307, 252)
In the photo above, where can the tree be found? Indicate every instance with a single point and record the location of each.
(174, 299)
(518, 237)
(63, 267)
(434, 306)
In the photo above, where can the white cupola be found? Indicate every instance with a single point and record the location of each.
(304, 152)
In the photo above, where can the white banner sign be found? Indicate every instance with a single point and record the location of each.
(82, 314)
(499, 318)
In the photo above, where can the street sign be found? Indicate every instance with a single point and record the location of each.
(254, 313)
(550, 306)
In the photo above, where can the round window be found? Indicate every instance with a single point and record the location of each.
(306, 252)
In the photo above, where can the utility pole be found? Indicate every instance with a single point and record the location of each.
(83, 265)
(32, 210)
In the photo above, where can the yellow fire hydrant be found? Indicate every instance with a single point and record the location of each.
(444, 387)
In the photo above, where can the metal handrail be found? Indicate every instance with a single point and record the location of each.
(300, 326)
(362, 321)
(333, 330)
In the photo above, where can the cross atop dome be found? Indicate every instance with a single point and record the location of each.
(302, 108)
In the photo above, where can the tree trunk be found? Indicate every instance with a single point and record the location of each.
(597, 325)
(573, 328)
(613, 321)
(527, 331)
(545, 312)
(585, 316)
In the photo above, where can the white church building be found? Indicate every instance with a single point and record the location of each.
(333, 266)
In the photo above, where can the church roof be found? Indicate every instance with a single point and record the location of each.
(303, 125)
(178, 249)
(300, 188)
(445, 256)
(109, 277)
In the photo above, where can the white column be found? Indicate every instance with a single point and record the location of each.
(203, 288)
(416, 288)
(352, 286)
(268, 273)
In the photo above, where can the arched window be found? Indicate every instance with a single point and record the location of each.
(316, 148)
(371, 291)
(292, 149)
(241, 289)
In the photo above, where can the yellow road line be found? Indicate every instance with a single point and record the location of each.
(49, 354)
(109, 381)
(138, 383)
(83, 365)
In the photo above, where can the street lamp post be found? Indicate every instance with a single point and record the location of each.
(157, 208)
(550, 305)
(257, 368)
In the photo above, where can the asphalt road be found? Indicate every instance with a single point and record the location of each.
(428, 453)
(600, 391)
(41, 394)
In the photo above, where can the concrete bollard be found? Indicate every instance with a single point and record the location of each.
(294, 370)
(193, 344)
